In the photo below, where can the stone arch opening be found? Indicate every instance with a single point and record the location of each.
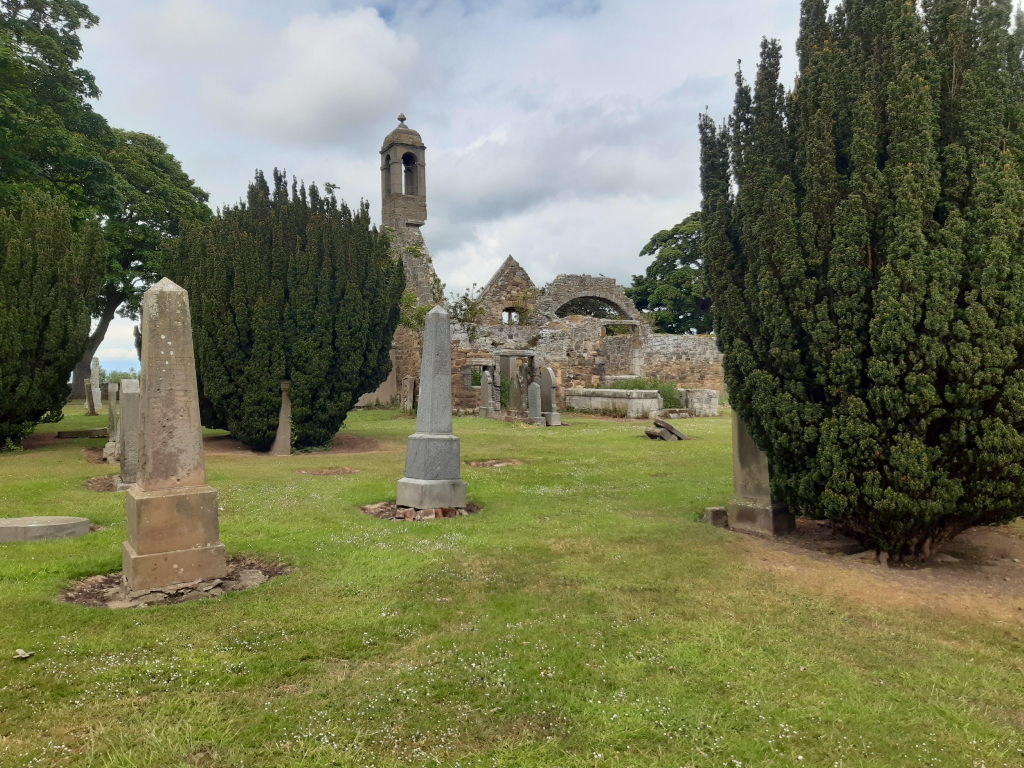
(386, 174)
(409, 173)
(591, 306)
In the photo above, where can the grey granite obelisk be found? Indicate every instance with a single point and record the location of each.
(128, 431)
(433, 478)
(173, 526)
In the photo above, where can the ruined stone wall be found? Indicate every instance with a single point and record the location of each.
(509, 287)
(565, 288)
(692, 361)
(618, 352)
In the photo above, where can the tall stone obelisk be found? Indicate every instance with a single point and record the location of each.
(173, 527)
(433, 476)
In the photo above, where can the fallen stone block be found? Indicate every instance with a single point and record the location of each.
(39, 528)
(716, 516)
(665, 425)
(657, 433)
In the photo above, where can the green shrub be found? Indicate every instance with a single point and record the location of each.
(668, 389)
(49, 276)
(291, 287)
(862, 244)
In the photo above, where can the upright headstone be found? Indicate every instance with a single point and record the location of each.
(283, 439)
(110, 449)
(128, 430)
(549, 397)
(94, 382)
(752, 509)
(408, 393)
(486, 390)
(173, 527)
(533, 404)
(433, 477)
(514, 381)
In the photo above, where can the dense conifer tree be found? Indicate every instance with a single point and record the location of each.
(49, 275)
(288, 286)
(864, 248)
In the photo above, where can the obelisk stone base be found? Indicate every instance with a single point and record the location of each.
(755, 516)
(433, 457)
(173, 534)
(431, 494)
(162, 568)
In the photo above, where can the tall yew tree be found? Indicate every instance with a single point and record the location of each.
(49, 274)
(863, 238)
(291, 287)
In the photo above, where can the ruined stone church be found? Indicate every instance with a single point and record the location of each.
(585, 328)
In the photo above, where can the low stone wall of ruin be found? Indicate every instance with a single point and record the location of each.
(632, 403)
(690, 360)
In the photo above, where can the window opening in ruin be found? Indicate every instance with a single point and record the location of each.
(409, 173)
(590, 306)
(475, 376)
(387, 174)
(510, 316)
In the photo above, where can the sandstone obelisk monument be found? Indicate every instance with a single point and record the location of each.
(433, 477)
(283, 438)
(752, 509)
(173, 527)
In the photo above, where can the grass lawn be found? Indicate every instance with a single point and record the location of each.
(583, 618)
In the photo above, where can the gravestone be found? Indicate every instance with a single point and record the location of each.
(549, 397)
(94, 382)
(173, 527)
(283, 439)
(533, 404)
(433, 464)
(752, 509)
(408, 393)
(110, 449)
(486, 390)
(128, 430)
(41, 528)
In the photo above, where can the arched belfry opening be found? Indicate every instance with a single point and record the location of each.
(386, 175)
(409, 174)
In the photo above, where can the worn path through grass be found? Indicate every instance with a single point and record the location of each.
(583, 618)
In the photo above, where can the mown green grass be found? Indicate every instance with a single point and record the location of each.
(583, 618)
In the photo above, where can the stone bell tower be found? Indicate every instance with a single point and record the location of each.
(404, 205)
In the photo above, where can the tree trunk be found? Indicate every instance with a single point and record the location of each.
(80, 380)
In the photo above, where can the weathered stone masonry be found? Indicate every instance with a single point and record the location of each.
(579, 349)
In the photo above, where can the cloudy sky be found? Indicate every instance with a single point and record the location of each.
(562, 132)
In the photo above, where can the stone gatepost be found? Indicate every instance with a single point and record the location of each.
(533, 404)
(110, 449)
(283, 439)
(128, 430)
(173, 526)
(486, 390)
(433, 477)
(752, 510)
(549, 398)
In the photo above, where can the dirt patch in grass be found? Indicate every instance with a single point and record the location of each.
(329, 471)
(110, 591)
(102, 483)
(225, 445)
(495, 463)
(388, 510)
(94, 455)
(980, 574)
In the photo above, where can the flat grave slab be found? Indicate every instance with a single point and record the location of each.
(39, 528)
